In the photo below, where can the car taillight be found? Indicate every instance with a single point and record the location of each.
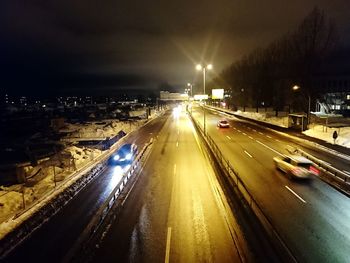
(314, 170)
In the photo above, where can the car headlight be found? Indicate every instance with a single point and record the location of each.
(128, 156)
(116, 157)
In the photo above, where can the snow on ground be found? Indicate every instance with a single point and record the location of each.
(107, 128)
(279, 121)
(48, 173)
(326, 134)
(317, 131)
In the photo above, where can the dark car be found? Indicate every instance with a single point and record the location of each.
(124, 155)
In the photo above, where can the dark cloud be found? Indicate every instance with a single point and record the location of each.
(120, 44)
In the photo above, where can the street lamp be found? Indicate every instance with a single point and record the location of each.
(190, 85)
(204, 69)
(295, 88)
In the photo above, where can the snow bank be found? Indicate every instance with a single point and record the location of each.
(279, 121)
(326, 134)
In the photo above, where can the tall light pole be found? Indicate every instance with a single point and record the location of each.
(190, 85)
(296, 87)
(204, 69)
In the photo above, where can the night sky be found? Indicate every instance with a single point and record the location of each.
(84, 46)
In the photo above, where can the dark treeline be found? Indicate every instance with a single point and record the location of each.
(265, 77)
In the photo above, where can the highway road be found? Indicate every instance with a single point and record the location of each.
(176, 211)
(54, 240)
(312, 217)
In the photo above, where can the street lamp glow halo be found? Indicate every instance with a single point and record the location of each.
(209, 66)
(199, 67)
(296, 87)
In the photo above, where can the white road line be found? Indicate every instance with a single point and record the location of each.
(247, 153)
(177, 144)
(174, 169)
(254, 130)
(244, 133)
(234, 128)
(238, 130)
(289, 146)
(228, 137)
(269, 148)
(347, 172)
(261, 133)
(277, 140)
(250, 137)
(294, 193)
(167, 250)
(268, 136)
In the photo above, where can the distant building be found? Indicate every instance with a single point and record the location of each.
(333, 82)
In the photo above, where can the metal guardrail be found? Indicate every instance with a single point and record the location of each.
(332, 174)
(235, 181)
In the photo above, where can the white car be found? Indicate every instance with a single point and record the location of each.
(223, 124)
(296, 166)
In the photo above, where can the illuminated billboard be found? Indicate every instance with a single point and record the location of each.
(217, 94)
(200, 97)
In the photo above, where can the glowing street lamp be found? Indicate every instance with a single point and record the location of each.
(204, 69)
(190, 85)
(295, 88)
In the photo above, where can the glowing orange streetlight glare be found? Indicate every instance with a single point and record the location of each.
(295, 87)
(210, 66)
(199, 67)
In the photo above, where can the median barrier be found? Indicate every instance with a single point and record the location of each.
(233, 178)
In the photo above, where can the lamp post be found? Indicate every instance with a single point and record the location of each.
(204, 69)
(295, 88)
(190, 85)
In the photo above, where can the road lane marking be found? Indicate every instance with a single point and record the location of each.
(268, 136)
(238, 130)
(277, 140)
(174, 169)
(247, 153)
(250, 137)
(234, 128)
(261, 133)
(347, 172)
(177, 144)
(244, 133)
(228, 137)
(269, 148)
(294, 193)
(254, 130)
(167, 250)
